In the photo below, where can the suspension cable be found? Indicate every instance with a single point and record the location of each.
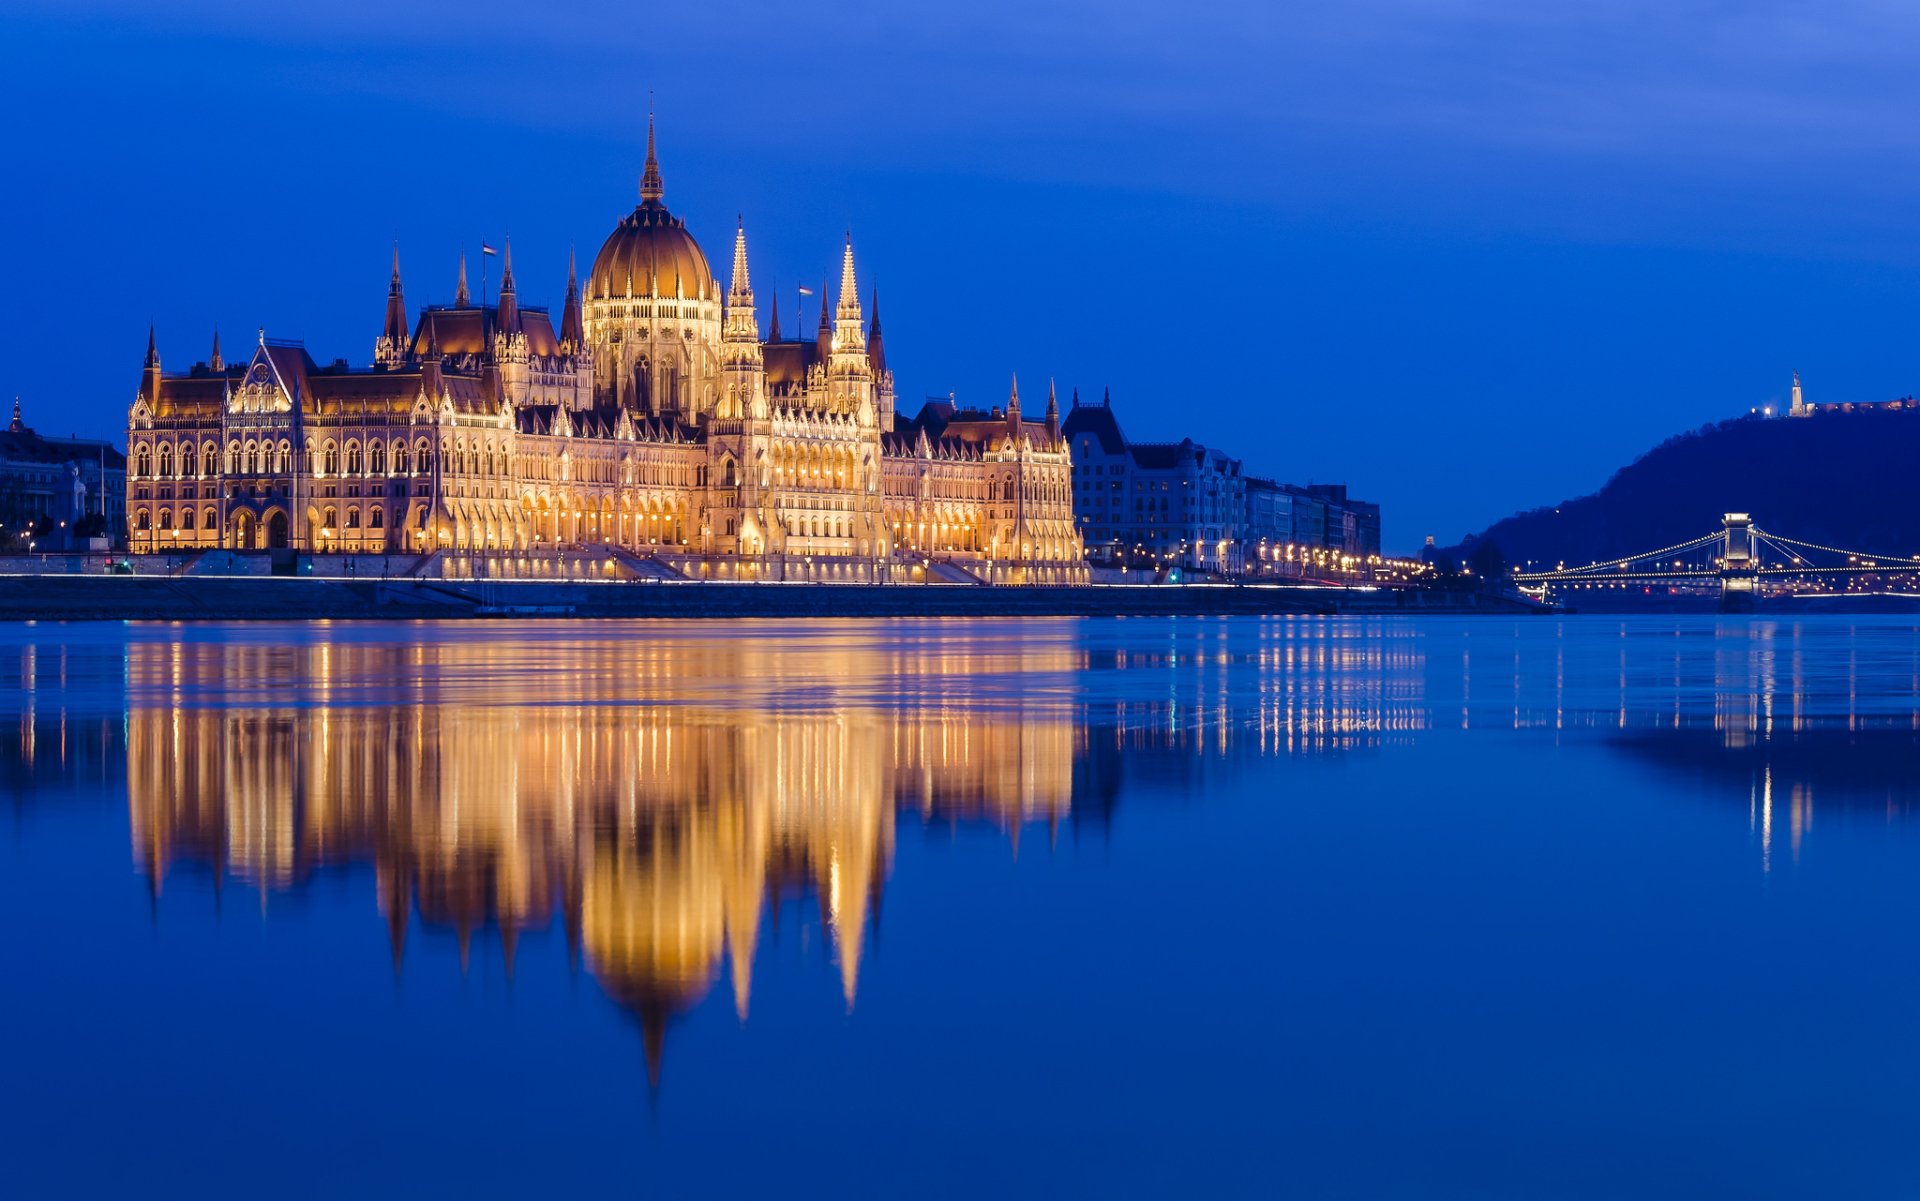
(1652, 554)
(1835, 550)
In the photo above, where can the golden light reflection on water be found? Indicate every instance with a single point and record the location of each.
(655, 792)
(652, 796)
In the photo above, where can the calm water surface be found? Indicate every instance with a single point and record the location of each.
(1475, 908)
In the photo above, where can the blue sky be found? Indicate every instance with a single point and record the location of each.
(1466, 255)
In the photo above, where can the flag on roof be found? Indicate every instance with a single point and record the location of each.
(486, 249)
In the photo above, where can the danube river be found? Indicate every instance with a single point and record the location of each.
(1188, 907)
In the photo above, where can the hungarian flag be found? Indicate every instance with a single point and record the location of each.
(805, 291)
(486, 249)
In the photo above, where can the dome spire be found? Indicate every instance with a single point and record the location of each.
(216, 362)
(651, 188)
(461, 299)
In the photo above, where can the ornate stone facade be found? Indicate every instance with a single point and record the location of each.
(654, 419)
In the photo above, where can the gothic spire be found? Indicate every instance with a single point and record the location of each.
(823, 337)
(741, 291)
(651, 188)
(1013, 400)
(214, 361)
(18, 424)
(393, 334)
(150, 373)
(773, 334)
(849, 289)
(461, 299)
(848, 334)
(876, 353)
(1053, 403)
(572, 331)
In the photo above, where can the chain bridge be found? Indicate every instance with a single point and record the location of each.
(1742, 560)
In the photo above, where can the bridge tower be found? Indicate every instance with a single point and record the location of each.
(1739, 561)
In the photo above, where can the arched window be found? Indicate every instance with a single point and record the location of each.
(282, 459)
(377, 518)
(400, 458)
(377, 458)
(330, 519)
(330, 461)
(235, 465)
(142, 521)
(353, 458)
(141, 463)
(186, 519)
(166, 460)
(353, 519)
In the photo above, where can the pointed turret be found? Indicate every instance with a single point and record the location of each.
(1053, 410)
(573, 335)
(823, 337)
(773, 329)
(740, 333)
(740, 289)
(847, 322)
(651, 188)
(507, 315)
(214, 361)
(390, 348)
(17, 425)
(461, 298)
(150, 372)
(876, 353)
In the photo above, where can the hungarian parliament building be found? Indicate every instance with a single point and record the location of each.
(651, 420)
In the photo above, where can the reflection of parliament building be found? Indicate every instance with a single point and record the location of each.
(654, 834)
(650, 415)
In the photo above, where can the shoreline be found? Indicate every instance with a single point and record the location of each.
(204, 598)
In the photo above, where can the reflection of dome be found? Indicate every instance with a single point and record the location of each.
(650, 253)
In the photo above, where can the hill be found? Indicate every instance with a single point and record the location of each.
(1840, 478)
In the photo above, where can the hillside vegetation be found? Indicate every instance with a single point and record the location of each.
(1842, 479)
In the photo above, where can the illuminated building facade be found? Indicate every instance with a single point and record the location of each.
(1184, 505)
(652, 418)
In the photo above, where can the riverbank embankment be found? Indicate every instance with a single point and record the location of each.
(187, 598)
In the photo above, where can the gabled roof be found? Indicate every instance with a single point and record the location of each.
(787, 363)
(1098, 422)
(463, 331)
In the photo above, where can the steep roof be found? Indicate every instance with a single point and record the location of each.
(1098, 422)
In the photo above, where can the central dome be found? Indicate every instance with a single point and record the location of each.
(650, 254)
